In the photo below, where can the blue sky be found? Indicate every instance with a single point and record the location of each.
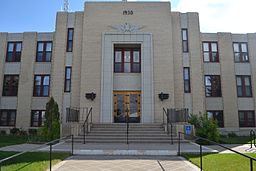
(215, 15)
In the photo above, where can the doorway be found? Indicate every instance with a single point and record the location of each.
(127, 106)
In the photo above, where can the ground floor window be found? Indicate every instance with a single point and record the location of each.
(7, 117)
(37, 118)
(218, 116)
(246, 118)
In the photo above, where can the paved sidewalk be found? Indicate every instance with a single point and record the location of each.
(125, 163)
(114, 149)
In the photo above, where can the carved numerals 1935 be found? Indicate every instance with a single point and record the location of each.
(127, 12)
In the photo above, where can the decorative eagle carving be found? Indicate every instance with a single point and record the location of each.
(127, 27)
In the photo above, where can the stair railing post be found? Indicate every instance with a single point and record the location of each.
(179, 145)
(50, 156)
(201, 158)
(84, 134)
(251, 164)
(127, 126)
(72, 147)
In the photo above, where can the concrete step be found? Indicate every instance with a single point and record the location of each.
(124, 141)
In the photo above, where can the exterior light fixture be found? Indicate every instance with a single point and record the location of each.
(163, 96)
(90, 96)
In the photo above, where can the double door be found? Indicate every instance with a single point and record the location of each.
(127, 106)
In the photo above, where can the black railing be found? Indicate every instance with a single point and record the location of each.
(42, 146)
(165, 114)
(88, 114)
(252, 138)
(127, 126)
(214, 143)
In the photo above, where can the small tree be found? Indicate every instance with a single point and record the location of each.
(51, 128)
(205, 127)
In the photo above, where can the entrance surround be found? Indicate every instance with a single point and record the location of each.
(107, 71)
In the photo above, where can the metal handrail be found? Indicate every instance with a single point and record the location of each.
(127, 126)
(165, 113)
(253, 137)
(88, 114)
(215, 143)
(43, 145)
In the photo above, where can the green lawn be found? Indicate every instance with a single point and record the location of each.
(33, 161)
(235, 140)
(222, 162)
(6, 140)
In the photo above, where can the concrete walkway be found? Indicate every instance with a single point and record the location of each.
(125, 163)
(115, 149)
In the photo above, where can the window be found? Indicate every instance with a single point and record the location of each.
(13, 52)
(7, 117)
(67, 86)
(41, 85)
(246, 118)
(210, 52)
(70, 39)
(212, 86)
(37, 118)
(243, 85)
(11, 84)
(241, 52)
(44, 52)
(186, 75)
(218, 116)
(127, 60)
(184, 33)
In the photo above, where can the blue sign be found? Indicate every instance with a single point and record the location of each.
(188, 129)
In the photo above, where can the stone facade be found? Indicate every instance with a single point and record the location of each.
(157, 31)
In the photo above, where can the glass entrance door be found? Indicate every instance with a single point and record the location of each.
(126, 106)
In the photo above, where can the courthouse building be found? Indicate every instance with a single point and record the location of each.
(118, 57)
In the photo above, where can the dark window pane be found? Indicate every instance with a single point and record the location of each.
(48, 56)
(136, 67)
(118, 67)
(39, 57)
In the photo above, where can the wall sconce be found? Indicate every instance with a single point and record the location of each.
(163, 96)
(90, 96)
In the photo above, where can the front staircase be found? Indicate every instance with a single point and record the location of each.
(117, 133)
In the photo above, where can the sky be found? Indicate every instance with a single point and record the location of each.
(236, 16)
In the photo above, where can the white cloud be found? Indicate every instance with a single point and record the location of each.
(236, 16)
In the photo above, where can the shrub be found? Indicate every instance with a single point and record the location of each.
(232, 134)
(2, 132)
(32, 132)
(15, 131)
(51, 128)
(205, 127)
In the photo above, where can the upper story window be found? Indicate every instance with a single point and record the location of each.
(212, 86)
(67, 86)
(41, 85)
(210, 52)
(44, 52)
(70, 37)
(13, 52)
(127, 60)
(186, 75)
(37, 118)
(7, 117)
(243, 85)
(246, 118)
(218, 116)
(184, 34)
(241, 52)
(11, 84)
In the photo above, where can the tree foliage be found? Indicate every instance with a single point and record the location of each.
(205, 127)
(51, 128)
